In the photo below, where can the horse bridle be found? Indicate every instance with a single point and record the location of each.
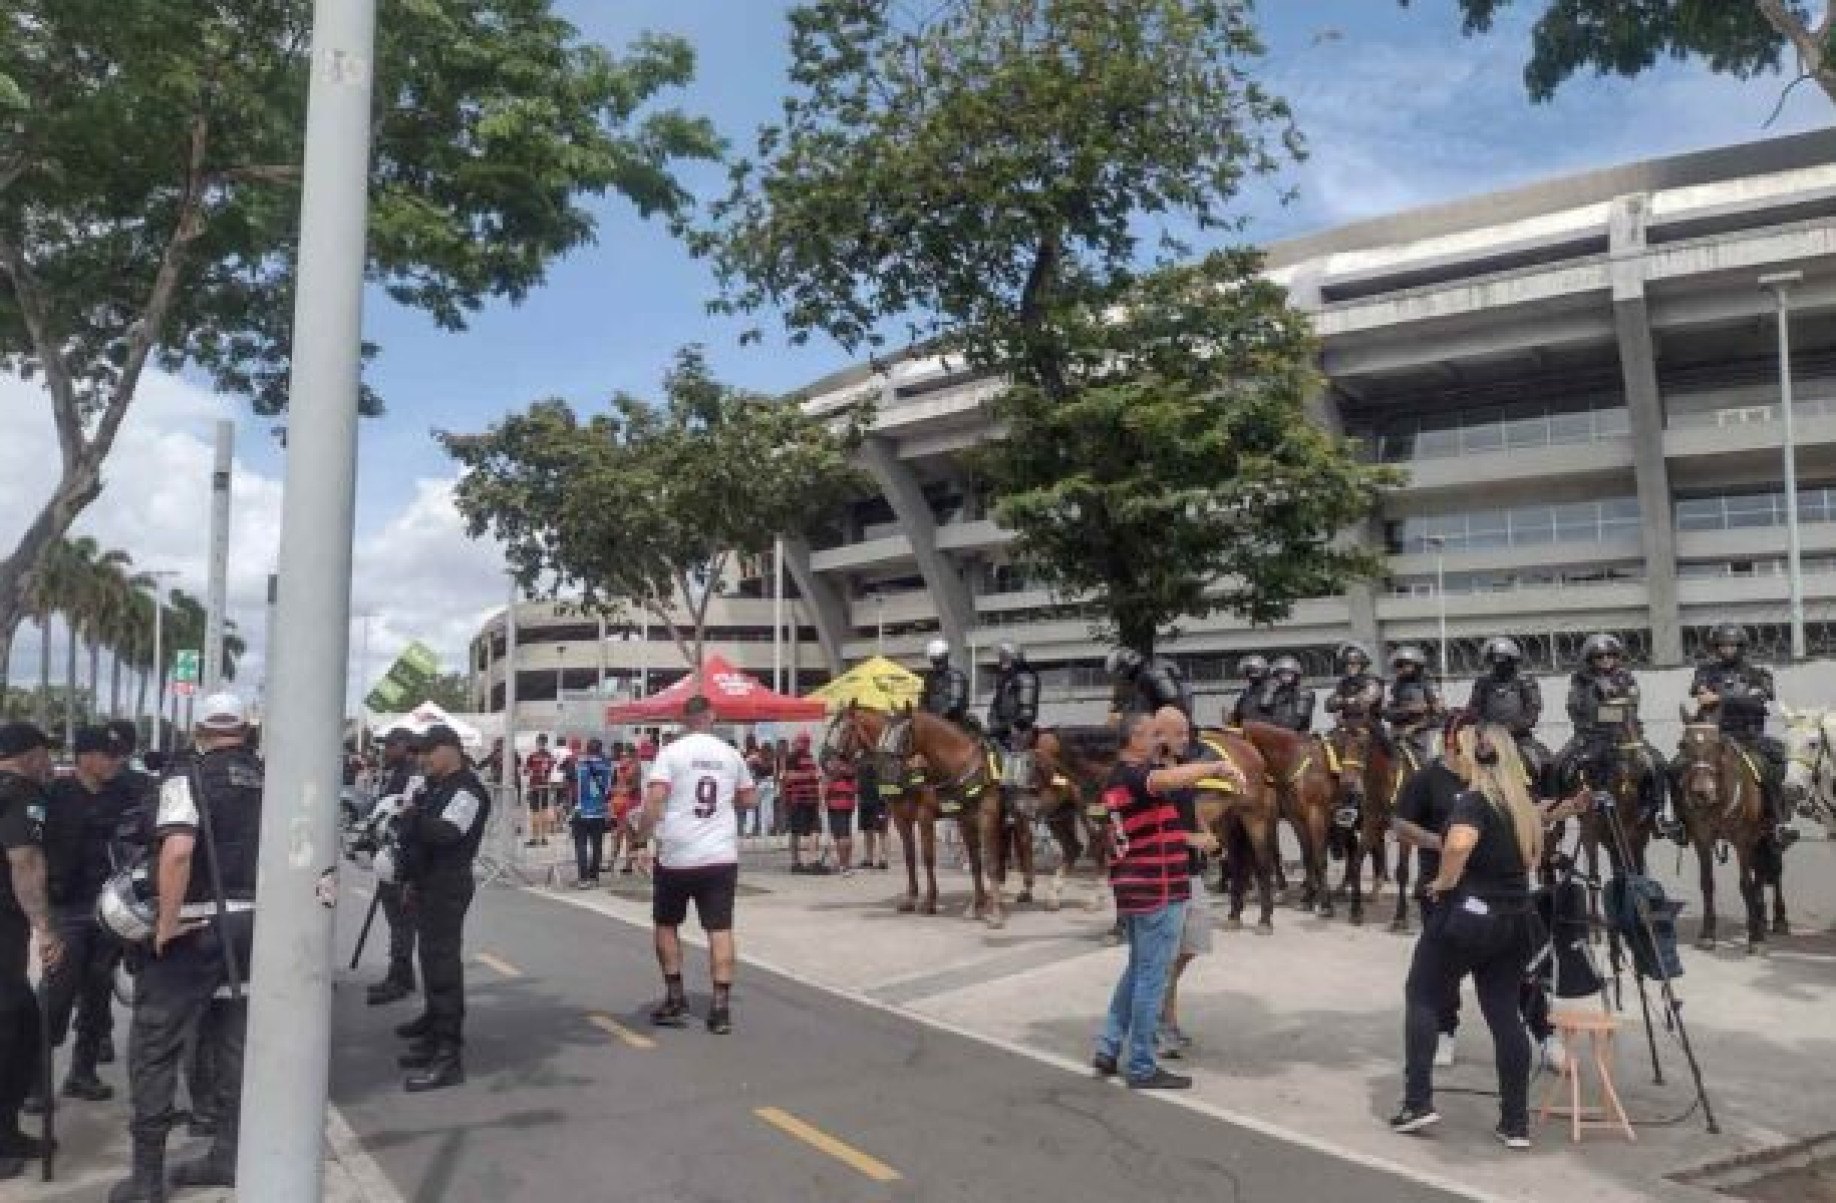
(1704, 764)
(1814, 764)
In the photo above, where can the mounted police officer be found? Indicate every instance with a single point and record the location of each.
(442, 832)
(1254, 703)
(1290, 702)
(1739, 693)
(1414, 709)
(1512, 699)
(1359, 692)
(946, 687)
(1603, 701)
(401, 776)
(1012, 712)
(1143, 686)
(207, 839)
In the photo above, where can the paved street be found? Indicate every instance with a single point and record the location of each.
(573, 1095)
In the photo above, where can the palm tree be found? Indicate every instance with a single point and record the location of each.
(52, 587)
(104, 589)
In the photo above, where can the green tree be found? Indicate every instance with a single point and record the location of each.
(149, 189)
(1016, 182)
(1744, 38)
(451, 692)
(645, 507)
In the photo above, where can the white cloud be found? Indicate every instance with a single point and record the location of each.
(415, 570)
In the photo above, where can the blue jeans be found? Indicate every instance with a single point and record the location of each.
(1134, 1008)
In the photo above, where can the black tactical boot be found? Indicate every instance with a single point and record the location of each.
(146, 1182)
(414, 1029)
(215, 1168)
(82, 1082)
(387, 991)
(420, 1055)
(443, 1069)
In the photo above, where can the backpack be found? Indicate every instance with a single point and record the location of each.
(1623, 898)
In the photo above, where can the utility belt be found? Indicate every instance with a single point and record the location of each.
(208, 909)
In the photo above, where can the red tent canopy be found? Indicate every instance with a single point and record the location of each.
(738, 697)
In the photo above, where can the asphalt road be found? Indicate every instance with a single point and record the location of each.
(573, 1096)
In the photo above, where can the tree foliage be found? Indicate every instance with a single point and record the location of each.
(1018, 182)
(644, 506)
(150, 158)
(1744, 38)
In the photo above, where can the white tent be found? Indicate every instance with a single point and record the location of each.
(426, 715)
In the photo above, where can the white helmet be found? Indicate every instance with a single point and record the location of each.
(127, 907)
(937, 651)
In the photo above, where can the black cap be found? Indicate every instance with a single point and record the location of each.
(696, 705)
(400, 735)
(440, 736)
(126, 733)
(16, 739)
(98, 739)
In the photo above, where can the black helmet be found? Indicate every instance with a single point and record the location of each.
(1409, 654)
(1122, 662)
(1253, 667)
(1500, 649)
(1599, 645)
(1726, 633)
(1348, 650)
(1286, 664)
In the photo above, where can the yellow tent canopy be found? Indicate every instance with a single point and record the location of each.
(877, 684)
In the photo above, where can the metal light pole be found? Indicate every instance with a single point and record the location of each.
(1440, 592)
(281, 1155)
(1780, 285)
(777, 615)
(217, 592)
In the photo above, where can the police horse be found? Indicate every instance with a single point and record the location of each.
(1718, 799)
(1369, 776)
(1810, 768)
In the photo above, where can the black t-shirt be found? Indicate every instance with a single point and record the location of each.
(1428, 802)
(22, 825)
(1496, 867)
(80, 826)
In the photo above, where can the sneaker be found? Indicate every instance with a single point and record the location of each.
(1512, 1138)
(1104, 1065)
(720, 1021)
(670, 1013)
(1444, 1049)
(1414, 1119)
(1161, 1079)
(1555, 1057)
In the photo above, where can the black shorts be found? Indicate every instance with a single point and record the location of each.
(805, 820)
(712, 887)
(841, 824)
(873, 817)
(539, 797)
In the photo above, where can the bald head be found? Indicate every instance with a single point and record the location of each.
(1172, 732)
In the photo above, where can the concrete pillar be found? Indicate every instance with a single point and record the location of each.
(1360, 596)
(955, 606)
(1645, 405)
(819, 600)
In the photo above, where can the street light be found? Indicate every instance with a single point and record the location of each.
(1779, 285)
(1439, 543)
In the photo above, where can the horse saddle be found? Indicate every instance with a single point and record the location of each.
(1220, 785)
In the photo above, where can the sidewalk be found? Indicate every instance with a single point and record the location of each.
(1301, 1032)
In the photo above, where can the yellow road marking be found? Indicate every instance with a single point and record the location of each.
(503, 967)
(822, 1142)
(614, 1028)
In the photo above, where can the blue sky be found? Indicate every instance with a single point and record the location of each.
(1398, 108)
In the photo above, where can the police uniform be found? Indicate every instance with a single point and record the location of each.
(1600, 705)
(1355, 697)
(946, 693)
(1413, 707)
(187, 986)
(1290, 703)
(1254, 702)
(1515, 702)
(1015, 706)
(80, 830)
(1745, 692)
(22, 819)
(399, 981)
(441, 839)
(1155, 684)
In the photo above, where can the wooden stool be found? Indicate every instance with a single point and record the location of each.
(1599, 1028)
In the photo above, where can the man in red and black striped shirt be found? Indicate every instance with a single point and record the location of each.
(1148, 872)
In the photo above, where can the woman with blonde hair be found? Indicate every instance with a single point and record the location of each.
(1483, 924)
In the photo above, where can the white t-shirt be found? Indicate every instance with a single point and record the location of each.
(699, 828)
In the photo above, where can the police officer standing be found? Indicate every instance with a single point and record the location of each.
(1290, 703)
(1739, 694)
(1508, 698)
(207, 841)
(442, 831)
(25, 912)
(1255, 704)
(85, 810)
(1414, 708)
(946, 687)
(400, 774)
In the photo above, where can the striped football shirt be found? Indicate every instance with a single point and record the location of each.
(1150, 869)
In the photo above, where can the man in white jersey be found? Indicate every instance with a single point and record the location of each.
(689, 798)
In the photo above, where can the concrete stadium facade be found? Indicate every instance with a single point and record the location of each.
(1580, 377)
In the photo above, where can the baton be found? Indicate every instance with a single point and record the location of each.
(363, 937)
(47, 1163)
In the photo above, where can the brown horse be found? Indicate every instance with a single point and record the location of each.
(1306, 788)
(1244, 822)
(1719, 802)
(1072, 765)
(1369, 780)
(856, 733)
(1623, 786)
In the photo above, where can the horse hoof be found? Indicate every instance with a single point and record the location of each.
(1265, 928)
(1324, 911)
(1756, 948)
(1706, 944)
(1781, 927)
(1051, 904)
(907, 905)
(1357, 920)
(929, 908)
(1024, 896)
(1400, 926)
(997, 922)
(1233, 924)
